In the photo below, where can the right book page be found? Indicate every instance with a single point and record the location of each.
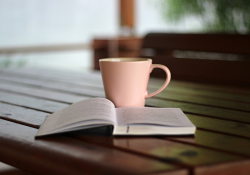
(153, 116)
(150, 121)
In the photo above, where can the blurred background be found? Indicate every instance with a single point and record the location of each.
(63, 34)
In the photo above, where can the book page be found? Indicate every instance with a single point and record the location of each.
(86, 110)
(156, 116)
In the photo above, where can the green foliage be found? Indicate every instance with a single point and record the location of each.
(230, 16)
(8, 62)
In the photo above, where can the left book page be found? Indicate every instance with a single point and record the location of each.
(91, 112)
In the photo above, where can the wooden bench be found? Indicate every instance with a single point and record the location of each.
(222, 59)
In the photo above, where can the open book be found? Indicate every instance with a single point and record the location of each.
(96, 112)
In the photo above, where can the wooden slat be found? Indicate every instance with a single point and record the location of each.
(223, 126)
(87, 80)
(22, 115)
(202, 92)
(196, 99)
(47, 156)
(201, 110)
(63, 87)
(232, 169)
(218, 141)
(235, 43)
(41, 93)
(212, 88)
(33, 103)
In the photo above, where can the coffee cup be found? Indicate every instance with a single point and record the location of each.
(126, 80)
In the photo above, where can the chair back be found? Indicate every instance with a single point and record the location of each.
(222, 59)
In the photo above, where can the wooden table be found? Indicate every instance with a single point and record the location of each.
(221, 144)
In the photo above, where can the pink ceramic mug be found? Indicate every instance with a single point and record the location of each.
(125, 80)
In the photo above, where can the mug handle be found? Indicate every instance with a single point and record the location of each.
(168, 74)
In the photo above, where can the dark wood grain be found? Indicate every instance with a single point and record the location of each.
(202, 92)
(223, 126)
(174, 152)
(221, 142)
(56, 156)
(178, 88)
(201, 110)
(209, 87)
(200, 42)
(206, 101)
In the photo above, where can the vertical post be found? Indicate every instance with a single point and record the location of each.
(127, 17)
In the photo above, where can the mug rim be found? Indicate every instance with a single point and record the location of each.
(125, 59)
